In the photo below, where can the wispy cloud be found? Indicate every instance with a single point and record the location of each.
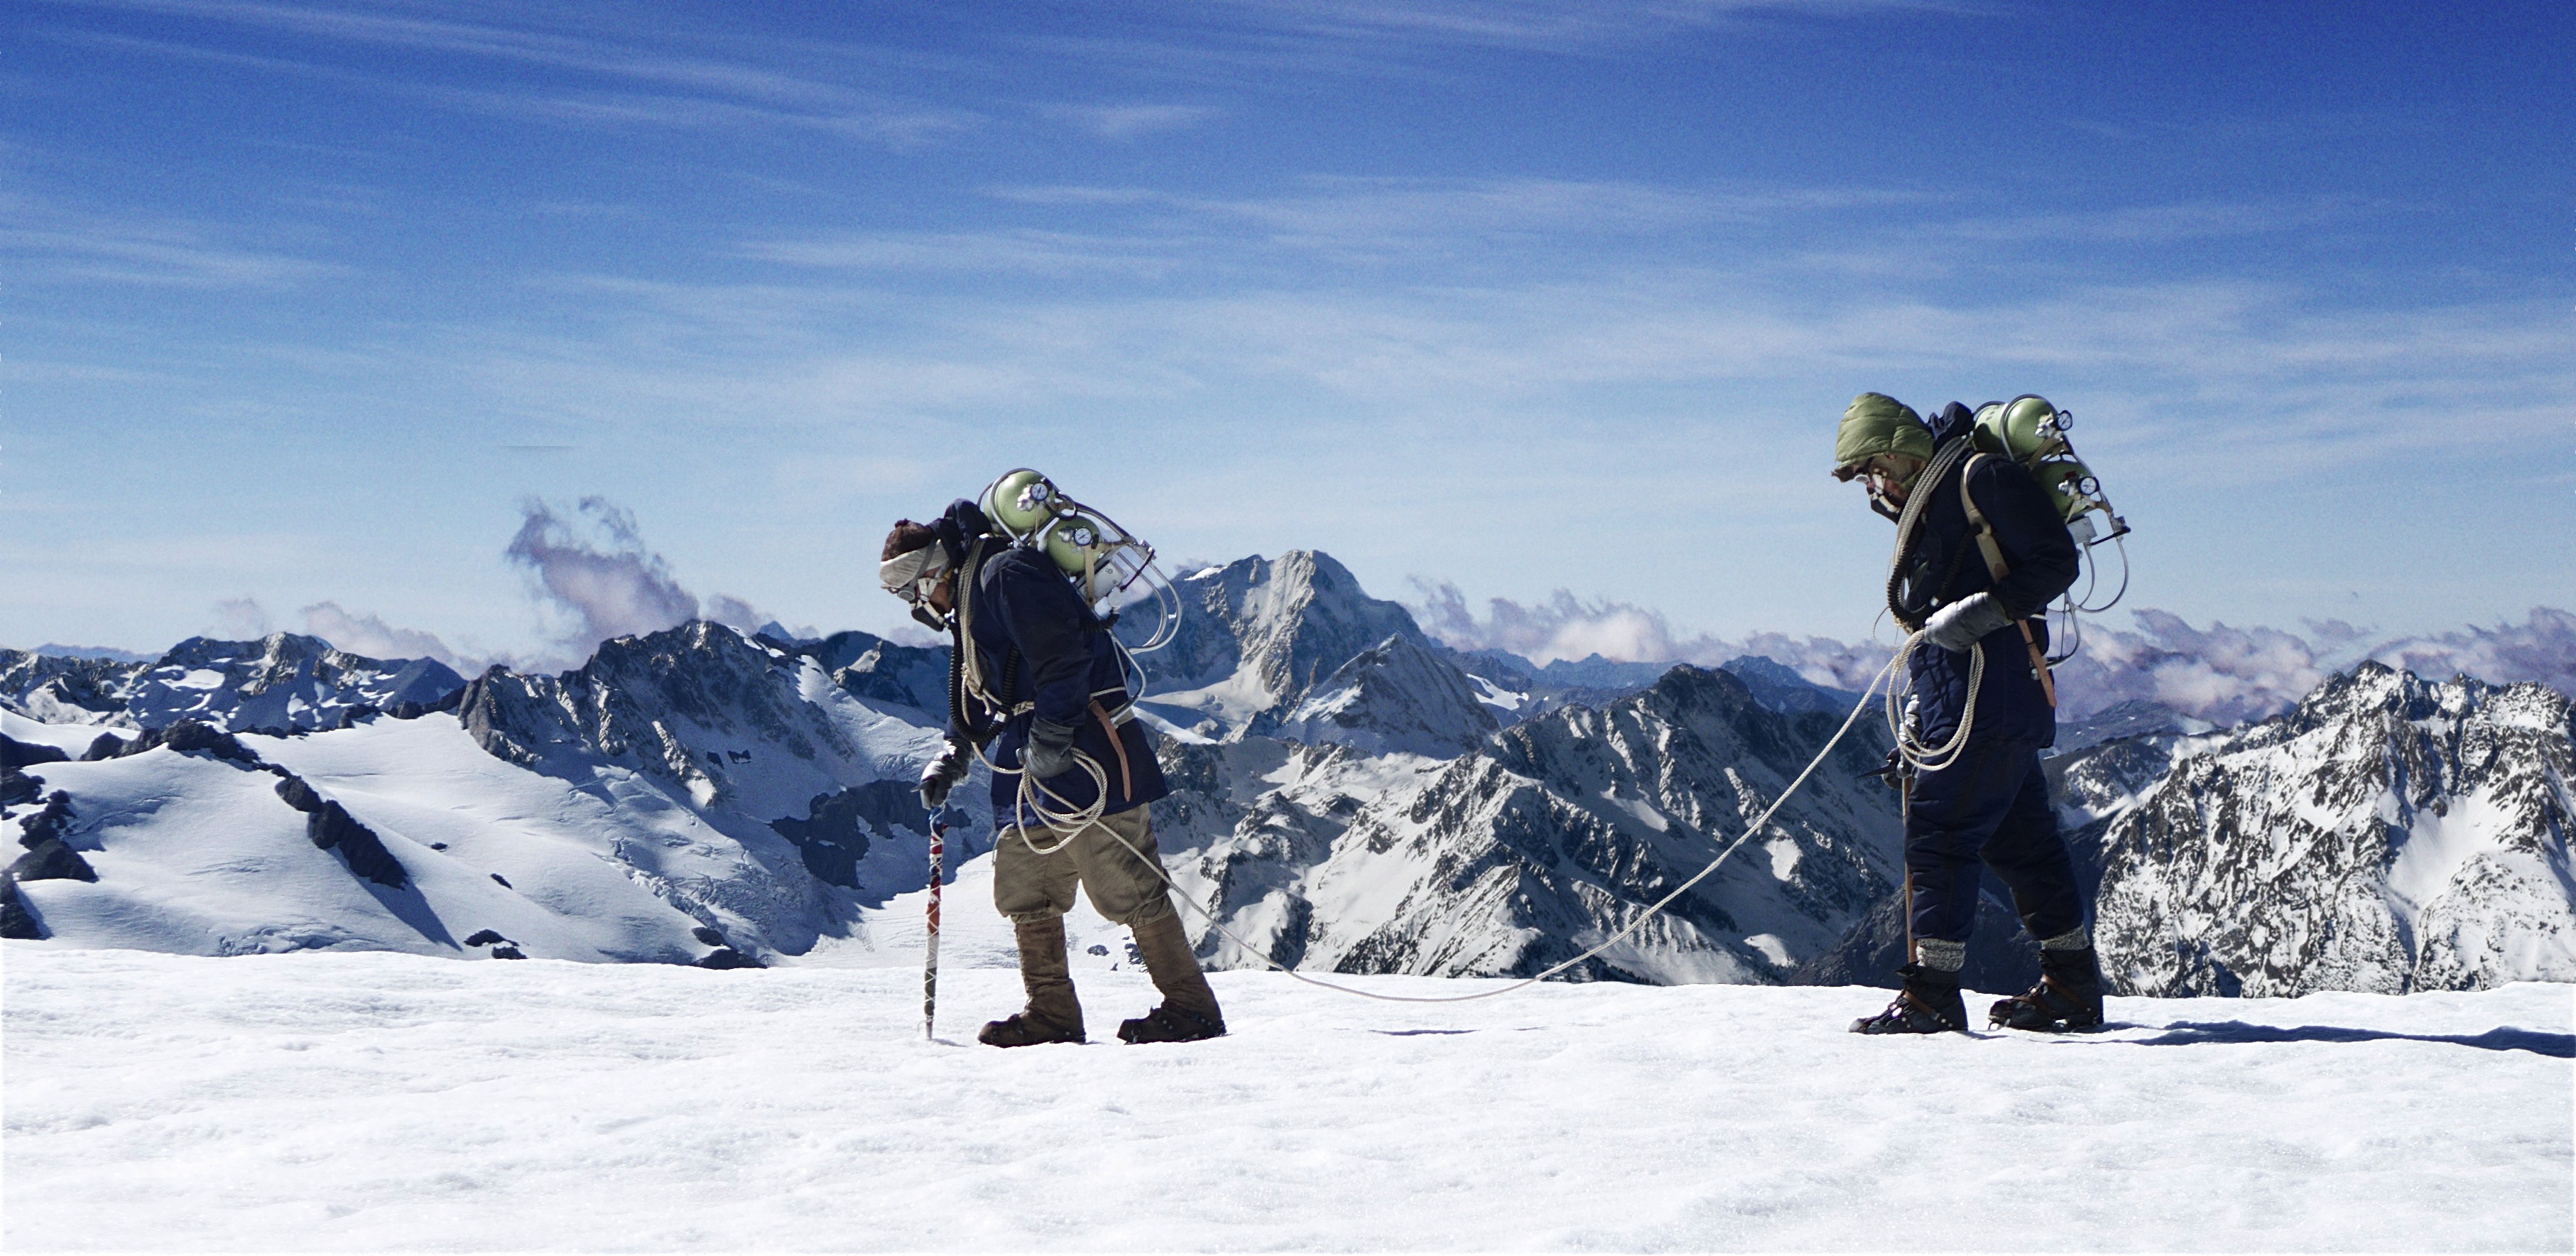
(2218, 673)
(1210, 42)
(1127, 122)
(632, 80)
(101, 249)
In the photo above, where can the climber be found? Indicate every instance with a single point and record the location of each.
(1035, 678)
(1989, 801)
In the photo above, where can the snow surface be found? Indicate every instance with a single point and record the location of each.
(199, 855)
(351, 1101)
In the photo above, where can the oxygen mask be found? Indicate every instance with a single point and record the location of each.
(915, 577)
(1888, 480)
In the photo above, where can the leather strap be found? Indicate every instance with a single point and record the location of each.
(1126, 779)
(1996, 567)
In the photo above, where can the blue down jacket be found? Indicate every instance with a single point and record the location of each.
(1945, 565)
(1036, 640)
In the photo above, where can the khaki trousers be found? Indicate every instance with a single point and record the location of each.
(1029, 887)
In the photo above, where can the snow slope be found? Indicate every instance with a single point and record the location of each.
(379, 1102)
(201, 855)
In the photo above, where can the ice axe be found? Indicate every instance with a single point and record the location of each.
(930, 955)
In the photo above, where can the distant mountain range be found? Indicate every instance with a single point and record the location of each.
(1350, 795)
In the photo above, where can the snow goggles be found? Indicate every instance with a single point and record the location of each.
(912, 576)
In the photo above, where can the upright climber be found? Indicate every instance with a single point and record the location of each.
(1980, 553)
(1037, 681)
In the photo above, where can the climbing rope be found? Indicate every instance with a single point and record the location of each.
(1615, 939)
(1927, 758)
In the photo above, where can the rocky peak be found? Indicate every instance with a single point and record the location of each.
(736, 724)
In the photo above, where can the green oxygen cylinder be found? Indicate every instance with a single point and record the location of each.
(1078, 544)
(1020, 502)
(2023, 429)
(2070, 486)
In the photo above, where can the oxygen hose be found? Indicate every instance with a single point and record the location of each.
(1615, 939)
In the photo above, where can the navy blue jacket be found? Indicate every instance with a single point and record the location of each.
(1946, 565)
(1037, 641)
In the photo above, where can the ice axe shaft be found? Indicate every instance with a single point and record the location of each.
(930, 955)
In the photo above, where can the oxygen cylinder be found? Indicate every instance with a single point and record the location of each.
(1078, 543)
(2022, 429)
(1021, 502)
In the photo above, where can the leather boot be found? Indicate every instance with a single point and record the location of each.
(1189, 1010)
(1053, 1013)
(1929, 1003)
(2068, 998)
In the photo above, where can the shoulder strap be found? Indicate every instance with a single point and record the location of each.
(1994, 552)
(1977, 525)
(968, 666)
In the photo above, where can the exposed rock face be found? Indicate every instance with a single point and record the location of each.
(58, 690)
(51, 860)
(2388, 835)
(284, 681)
(1779, 687)
(18, 754)
(834, 836)
(15, 920)
(330, 827)
(1556, 833)
(48, 857)
(1398, 696)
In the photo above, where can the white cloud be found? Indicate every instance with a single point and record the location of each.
(1128, 122)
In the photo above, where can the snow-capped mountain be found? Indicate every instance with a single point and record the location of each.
(284, 681)
(1256, 635)
(1350, 796)
(1397, 696)
(2390, 834)
(1553, 834)
(683, 786)
(769, 741)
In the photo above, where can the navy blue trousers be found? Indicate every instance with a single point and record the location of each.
(1989, 806)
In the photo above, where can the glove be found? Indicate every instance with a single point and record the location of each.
(1050, 750)
(1962, 623)
(942, 776)
(1891, 774)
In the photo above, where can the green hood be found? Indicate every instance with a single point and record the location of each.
(1879, 424)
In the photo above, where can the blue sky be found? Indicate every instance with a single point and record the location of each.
(305, 303)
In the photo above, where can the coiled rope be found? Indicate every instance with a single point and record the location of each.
(1924, 757)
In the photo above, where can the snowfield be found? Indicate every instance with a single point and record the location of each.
(355, 1101)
